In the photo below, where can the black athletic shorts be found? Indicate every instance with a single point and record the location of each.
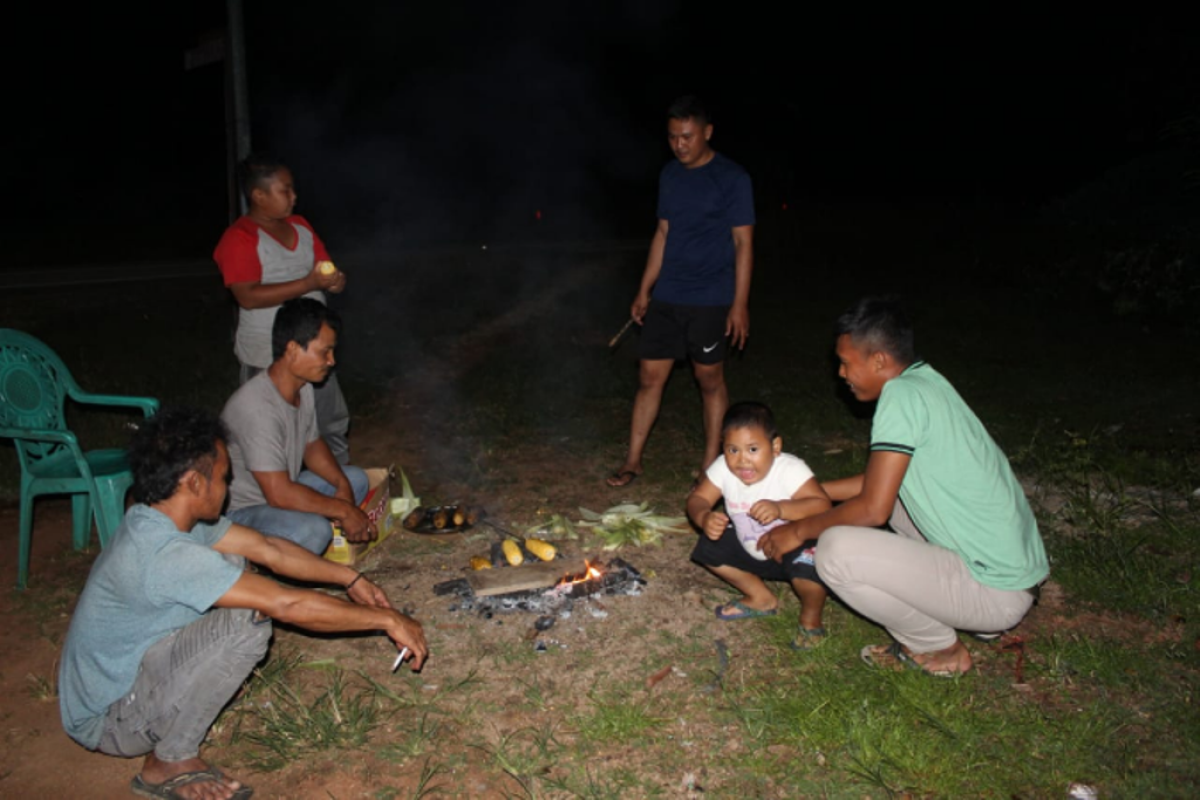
(728, 552)
(676, 332)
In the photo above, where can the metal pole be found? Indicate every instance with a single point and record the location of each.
(237, 102)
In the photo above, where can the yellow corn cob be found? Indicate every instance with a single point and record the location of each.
(479, 562)
(543, 550)
(512, 552)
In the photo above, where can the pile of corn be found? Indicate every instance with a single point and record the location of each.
(630, 524)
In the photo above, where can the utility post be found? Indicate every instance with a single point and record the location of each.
(237, 104)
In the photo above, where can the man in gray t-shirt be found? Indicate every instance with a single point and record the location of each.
(286, 482)
(170, 624)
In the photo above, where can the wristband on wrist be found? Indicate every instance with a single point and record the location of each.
(357, 578)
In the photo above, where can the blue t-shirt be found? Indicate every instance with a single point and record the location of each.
(149, 582)
(701, 206)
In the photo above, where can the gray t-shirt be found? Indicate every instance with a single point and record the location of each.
(150, 581)
(266, 434)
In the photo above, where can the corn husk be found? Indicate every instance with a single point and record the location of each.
(630, 524)
(557, 527)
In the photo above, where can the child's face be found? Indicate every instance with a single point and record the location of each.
(276, 197)
(749, 454)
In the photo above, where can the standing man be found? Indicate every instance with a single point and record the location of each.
(286, 482)
(271, 255)
(170, 624)
(693, 299)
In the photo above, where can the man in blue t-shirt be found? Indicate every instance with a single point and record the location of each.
(693, 299)
(170, 624)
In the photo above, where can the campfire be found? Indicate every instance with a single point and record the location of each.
(559, 593)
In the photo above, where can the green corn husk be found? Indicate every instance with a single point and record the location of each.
(556, 527)
(630, 524)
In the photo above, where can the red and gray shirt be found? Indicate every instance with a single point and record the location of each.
(248, 254)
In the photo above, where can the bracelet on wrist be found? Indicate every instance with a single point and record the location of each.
(357, 578)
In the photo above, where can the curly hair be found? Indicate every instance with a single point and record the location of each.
(169, 444)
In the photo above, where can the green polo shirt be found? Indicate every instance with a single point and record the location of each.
(959, 488)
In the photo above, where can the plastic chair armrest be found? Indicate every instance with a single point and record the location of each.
(148, 405)
(42, 435)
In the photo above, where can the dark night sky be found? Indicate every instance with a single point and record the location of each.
(415, 124)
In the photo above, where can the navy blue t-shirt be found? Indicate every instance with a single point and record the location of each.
(701, 206)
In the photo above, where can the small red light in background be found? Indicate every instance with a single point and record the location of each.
(537, 214)
(785, 206)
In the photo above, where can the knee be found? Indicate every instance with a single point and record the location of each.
(834, 550)
(312, 532)
(249, 634)
(359, 482)
(710, 381)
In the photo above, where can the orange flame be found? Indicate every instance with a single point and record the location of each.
(591, 573)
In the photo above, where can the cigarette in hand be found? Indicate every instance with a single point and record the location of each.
(400, 658)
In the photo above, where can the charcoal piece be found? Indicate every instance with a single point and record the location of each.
(544, 623)
(540, 646)
(497, 555)
(458, 586)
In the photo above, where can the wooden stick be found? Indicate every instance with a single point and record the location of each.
(613, 341)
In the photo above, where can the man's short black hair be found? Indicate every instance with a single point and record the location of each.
(256, 170)
(299, 320)
(750, 415)
(169, 444)
(689, 107)
(881, 325)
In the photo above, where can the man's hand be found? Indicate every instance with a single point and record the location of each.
(407, 632)
(638, 309)
(737, 326)
(765, 511)
(777, 542)
(366, 593)
(355, 524)
(715, 524)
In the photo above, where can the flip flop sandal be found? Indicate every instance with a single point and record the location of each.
(166, 789)
(618, 480)
(808, 638)
(743, 611)
(894, 657)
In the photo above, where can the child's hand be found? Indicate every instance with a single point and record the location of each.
(765, 511)
(714, 524)
(327, 280)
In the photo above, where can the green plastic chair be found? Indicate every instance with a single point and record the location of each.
(34, 385)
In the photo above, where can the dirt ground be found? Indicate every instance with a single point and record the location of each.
(39, 760)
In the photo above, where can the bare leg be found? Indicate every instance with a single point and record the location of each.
(155, 771)
(711, 379)
(755, 593)
(812, 602)
(652, 379)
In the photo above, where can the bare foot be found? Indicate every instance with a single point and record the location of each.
(156, 771)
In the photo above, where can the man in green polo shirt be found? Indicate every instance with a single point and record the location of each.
(966, 553)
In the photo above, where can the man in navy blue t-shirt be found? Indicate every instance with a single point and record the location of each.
(693, 299)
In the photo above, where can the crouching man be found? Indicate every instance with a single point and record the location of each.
(286, 482)
(170, 624)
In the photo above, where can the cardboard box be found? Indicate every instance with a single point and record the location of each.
(377, 507)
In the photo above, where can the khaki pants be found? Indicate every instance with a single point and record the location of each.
(920, 592)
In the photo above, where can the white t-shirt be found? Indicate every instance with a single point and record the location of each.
(787, 474)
